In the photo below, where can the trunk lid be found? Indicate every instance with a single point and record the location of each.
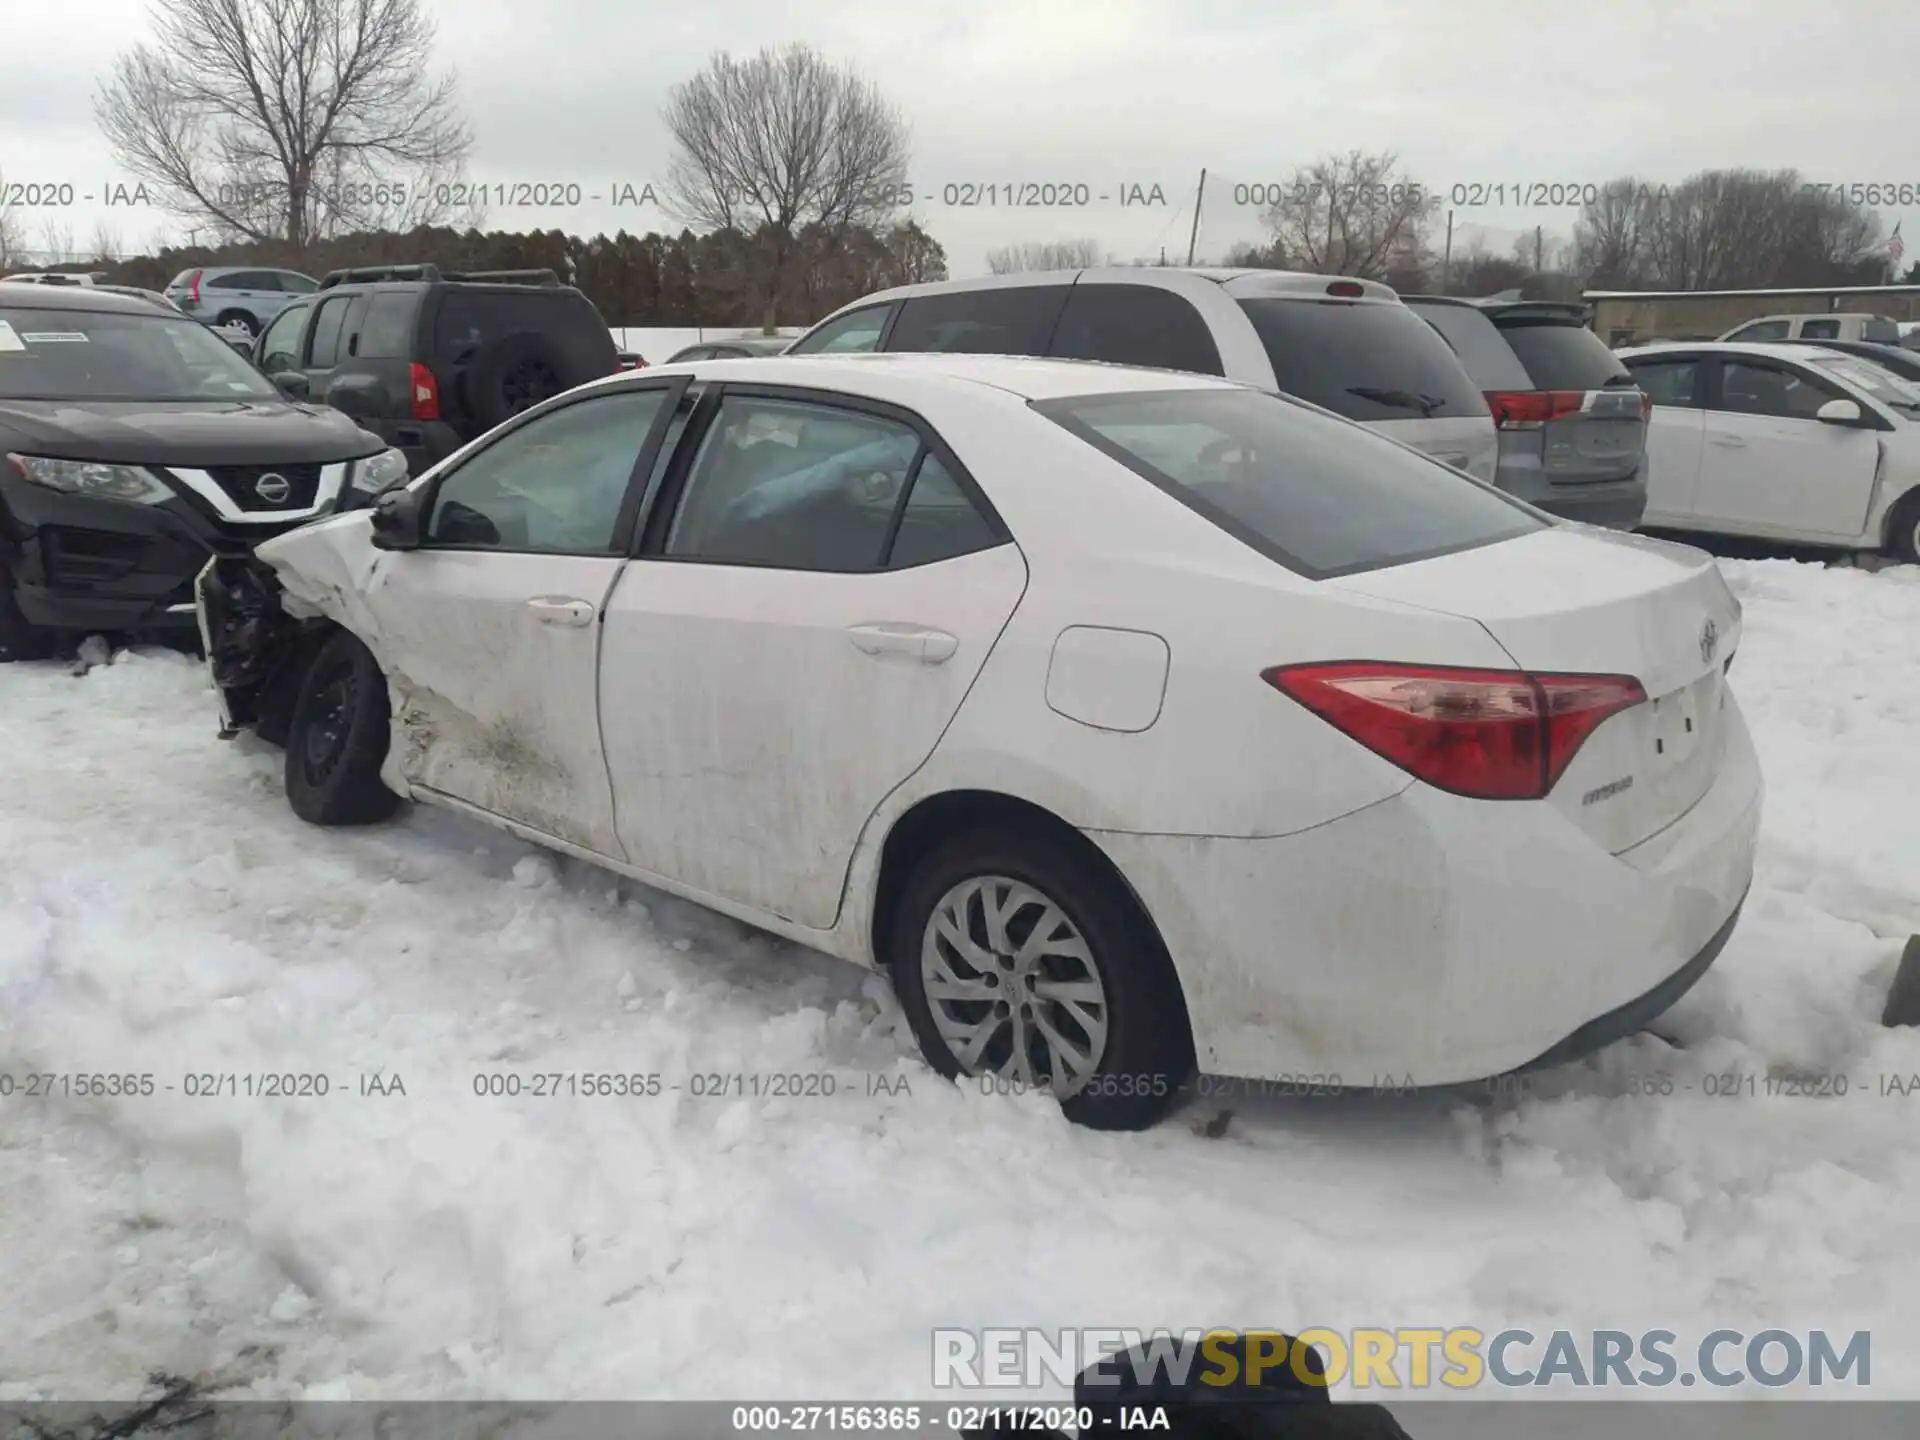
(1575, 601)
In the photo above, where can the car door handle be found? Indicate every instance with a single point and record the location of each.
(1731, 441)
(928, 646)
(559, 610)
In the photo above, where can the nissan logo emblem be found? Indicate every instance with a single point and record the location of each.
(272, 488)
(1709, 640)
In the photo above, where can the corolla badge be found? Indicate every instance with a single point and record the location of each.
(1709, 641)
(273, 488)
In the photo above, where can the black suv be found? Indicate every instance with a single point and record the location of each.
(134, 444)
(430, 359)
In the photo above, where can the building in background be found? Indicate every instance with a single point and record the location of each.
(1633, 317)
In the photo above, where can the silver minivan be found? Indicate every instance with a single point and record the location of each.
(1343, 344)
(1572, 422)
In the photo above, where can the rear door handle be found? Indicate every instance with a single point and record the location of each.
(1731, 441)
(560, 610)
(919, 642)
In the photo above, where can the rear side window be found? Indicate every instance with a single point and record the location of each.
(387, 331)
(1563, 355)
(1490, 362)
(1015, 320)
(1820, 330)
(1366, 360)
(297, 283)
(1310, 493)
(1135, 325)
(1674, 384)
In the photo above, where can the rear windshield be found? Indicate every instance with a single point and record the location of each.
(1317, 496)
(1563, 355)
(1366, 360)
(91, 355)
(1490, 361)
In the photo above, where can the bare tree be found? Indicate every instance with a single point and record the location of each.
(287, 120)
(12, 244)
(779, 144)
(105, 243)
(1046, 255)
(1351, 214)
(57, 246)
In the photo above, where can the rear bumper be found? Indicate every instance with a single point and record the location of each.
(1616, 504)
(1431, 940)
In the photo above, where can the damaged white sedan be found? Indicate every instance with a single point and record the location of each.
(1132, 721)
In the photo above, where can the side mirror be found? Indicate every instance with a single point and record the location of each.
(291, 383)
(396, 519)
(1839, 412)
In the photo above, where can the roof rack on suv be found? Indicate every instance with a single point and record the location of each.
(430, 273)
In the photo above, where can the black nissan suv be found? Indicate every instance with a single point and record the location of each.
(429, 359)
(134, 445)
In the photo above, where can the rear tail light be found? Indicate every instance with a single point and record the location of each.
(425, 392)
(1485, 734)
(1347, 289)
(1530, 409)
(193, 287)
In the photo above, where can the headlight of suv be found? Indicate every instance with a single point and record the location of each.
(85, 477)
(379, 472)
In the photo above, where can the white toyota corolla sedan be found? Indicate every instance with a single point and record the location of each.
(1132, 721)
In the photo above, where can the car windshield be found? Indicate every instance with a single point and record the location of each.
(1881, 385)
(108, 355)
(1318, 496)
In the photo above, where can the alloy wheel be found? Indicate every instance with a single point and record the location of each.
(1012, 986)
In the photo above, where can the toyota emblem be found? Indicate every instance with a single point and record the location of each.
(273, 488)
(1709, 641)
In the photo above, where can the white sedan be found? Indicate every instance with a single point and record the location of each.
(1132, 721)
(1781, 442)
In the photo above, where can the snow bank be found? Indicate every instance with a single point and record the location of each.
(162, 913)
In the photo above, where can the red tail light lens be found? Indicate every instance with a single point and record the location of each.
(1486, 734)
(425, 393)
(193, 287)
(1526, 409)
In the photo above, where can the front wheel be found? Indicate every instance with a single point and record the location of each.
(1019, 963)
(338, 737)
(19, 640)
(1903, 530)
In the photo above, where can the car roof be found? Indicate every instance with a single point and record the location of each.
(76, 297)
(1787, 350)
(1028, 379)
(1248, 282)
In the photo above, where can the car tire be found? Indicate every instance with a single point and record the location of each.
(19, 639)
(1903, 530)
(337, 739)
(240, 318)
(515, 373)
(1145, 1055)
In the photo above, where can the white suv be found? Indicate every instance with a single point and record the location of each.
(1345, 345)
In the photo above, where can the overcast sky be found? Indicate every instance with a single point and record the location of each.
(1111, 94)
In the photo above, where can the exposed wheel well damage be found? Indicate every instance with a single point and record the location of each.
(937, 817)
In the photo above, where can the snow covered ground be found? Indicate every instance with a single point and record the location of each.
(162, 912)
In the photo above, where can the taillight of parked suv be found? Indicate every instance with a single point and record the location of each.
(424, 392)
(1531, 409)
